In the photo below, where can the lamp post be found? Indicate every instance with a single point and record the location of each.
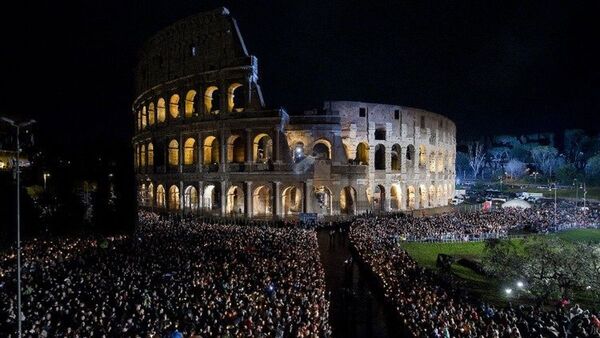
(46, 175)
(554, 187)
(18, 126)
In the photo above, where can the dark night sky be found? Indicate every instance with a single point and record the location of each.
(491, 67)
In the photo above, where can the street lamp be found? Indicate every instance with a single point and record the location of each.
(46, 175)
(554, 186)
(18, 126)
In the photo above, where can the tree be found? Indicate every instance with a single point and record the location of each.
(476, 155)
(576, 142)
(462, 163)
(545, 157)
(498, 155)
(566, 173)
(592, 169)
(515, 168)
(507, 140)
(550, 266)
(521, 152)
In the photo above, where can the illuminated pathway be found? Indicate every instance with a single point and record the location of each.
(356, 308)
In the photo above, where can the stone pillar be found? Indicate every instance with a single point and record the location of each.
(308, 193)
(387, 199)
(248, 196)
(276, 157)
(222, 151)
(249, 149)
(180, 157)
(181, 197)
(200, 195)
(276, 199)
(199, 152)
(223, 197)
(403, 162)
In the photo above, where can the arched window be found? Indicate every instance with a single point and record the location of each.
(150, 194)
(212, 100)
(189, 151)
(144, 117)
(261, 202)
(362, 154)
(142, 194)
(150, 154)
(396, 155)
(348, 200)
(422, 156)
(211, 150)
(174, 198)
(236, 149)
(160, 110)
(235, 200)
(143, 156)
(262, 148)
(160, 196)
(291, 200)
(190, 103)
(235, 97)
(380, 157)
(174, 106)
(151, 113)
(322, 149)
(173, 152)
(298, 154)
(190, 198)
(410, 152)
(396, 195)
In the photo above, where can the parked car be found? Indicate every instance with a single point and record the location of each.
(456, 201)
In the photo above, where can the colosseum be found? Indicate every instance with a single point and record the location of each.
(206, 143)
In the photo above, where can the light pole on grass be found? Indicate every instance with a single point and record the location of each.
(18, 127)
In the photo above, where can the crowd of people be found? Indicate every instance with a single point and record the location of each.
(171, 278)
(432, 305)
(495, 223)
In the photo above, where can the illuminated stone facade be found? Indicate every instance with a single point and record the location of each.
(205, 143)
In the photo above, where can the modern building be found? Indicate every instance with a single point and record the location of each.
(205, 142)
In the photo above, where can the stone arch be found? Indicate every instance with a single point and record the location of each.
(236, 149)
(160, 196)
(432, 194)
(396, 196)
(298, 152)
(379, 198)
(174, 106)
(291, 200)
(348, 200)
(422, 156)
(410, 152)
(143, 155)
(396, 155)
(190, 150)
(190, 198)
(262, 148)
(362, 153)
(322, 149)
(173, 152)
(211, 197)
(423, 196)
(440, 195)
(235, 97)
(432, 162)
(150, 154)
(235, 200)
(161, 110)
(191, 101)
(174, 197)
(142, 194)
(144, 117)
(380, 157)
(151, 112)
(212, 100)
(261, 201)
(323, 200)
(150, 194)
(211, 150)
(410, 197)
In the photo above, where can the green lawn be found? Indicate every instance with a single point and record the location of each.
(482, 286)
